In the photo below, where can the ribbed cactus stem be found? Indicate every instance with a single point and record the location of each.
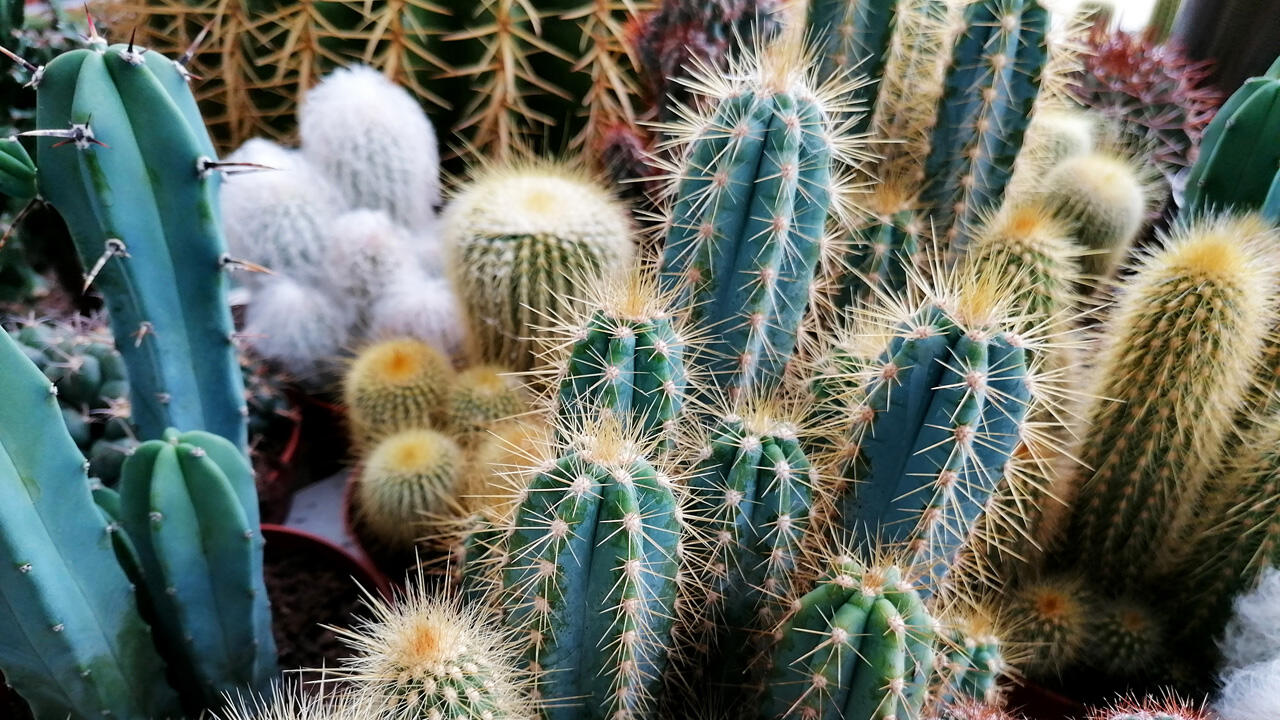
(975, 661)
(1052, 618)
(886, 249)
(991, 86)
(854, 38)
(394, 385)
(1129, 638)
(1238, 158)
(1176, 362)
(590, 579)
(408, 477)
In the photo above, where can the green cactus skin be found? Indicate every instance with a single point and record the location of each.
(1239, 155)
(137, 127)
(189, 505)
(17, 170)
(854, 38)
(591, 579)
(1128, 638)
(746, 226)
(1175, 365)
(751, 501)
(1271, 206)
(1102, 200)
(860, 645)
(73, 642)
(975, 662)
(933, 427)
(990, 88)
(1053, 618)
(883, 254)
(629, 360)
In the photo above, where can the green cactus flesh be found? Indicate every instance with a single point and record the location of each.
(17, 170)
(1128, 639)
(884, 253)
(854, 38)
(74, 643)
(591, 580)
(128, 170)
(860, 645)
(975, 661)
(1238, 154)
(189, 506)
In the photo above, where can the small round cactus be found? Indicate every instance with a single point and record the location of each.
(1151, 708)
(395, 385)
(520, 240)
(423, 657)
(481, 396)
(1102, 199)
(1051, 619)
(497, 463)
(1033, 253)
(408, 476)
(1128, 639)
(1056, 134)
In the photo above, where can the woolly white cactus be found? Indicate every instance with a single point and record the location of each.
(1251, 693)
(420, 307)
(1253, 634)
(374, 142)
(367, 247)
(298, 326)
(277, 218)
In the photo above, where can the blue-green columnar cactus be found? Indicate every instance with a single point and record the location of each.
(1271, 206)
(854, 38)
(747, 218)
(71, 643)
(1239, 155)
(124, 157)
(859, 645)
(935, 417)
(627, 357)
(751, 503)
(991, 86)
(189, 506)
(974, 659)
(591, 577)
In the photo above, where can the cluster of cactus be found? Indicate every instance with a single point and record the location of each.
(184, 551)
(346, 226)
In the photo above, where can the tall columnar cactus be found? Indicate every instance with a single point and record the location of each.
(427, 658)
(74, 643)
(1176, 362)
(17, 170)
(397, 384)
(627, 357)
(854, 38)
(520, 238)
(934, 417)
(859, 645)
(591, 576)
(752, 499)
(124, 157)
(1102, 199)
(1053, 618)
(991, 86)
(746, 219)
(189, 506)
(1239, 156)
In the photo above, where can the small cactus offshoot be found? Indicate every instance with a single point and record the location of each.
(1051, 618)
(480, 397)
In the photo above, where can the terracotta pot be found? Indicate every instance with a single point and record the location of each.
(278, 477)
(361, 569)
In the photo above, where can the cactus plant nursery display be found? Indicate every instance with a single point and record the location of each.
(635, 360)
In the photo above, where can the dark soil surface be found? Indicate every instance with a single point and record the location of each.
(308, 591)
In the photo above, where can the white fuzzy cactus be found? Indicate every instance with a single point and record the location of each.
(374, 142)
(1253, 634)
(368, 247)
(300, 327)
(277, 218)
(1251, 693)
(421, 307)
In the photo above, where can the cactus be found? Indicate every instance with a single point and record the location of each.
(1238, 156)
(17, 170)
(397, 384)
(1127, 638)
(299, 327)
(886, 250)
(1151, 708)
(974, 659)
(519, 238)
(628, 357)
(932, 421)
(1053, 618)
(370, 138)
(746, 220)
(189, 506)
(482, 396)
(113, 120)
(406, 477)
(1103, 200)
(368, 249)
(970, 711)
(854, 37)
(1271, 206)
(74, 643)
(290, 701)
(752, 499)
(1032, 252)
(591, 576)
(1250, 692)
(1056, 134)
(424, 656)
(859, 645)
(423, 308)
(1176, 363)
(991, 86)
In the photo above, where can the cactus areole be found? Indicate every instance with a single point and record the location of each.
(124, 157)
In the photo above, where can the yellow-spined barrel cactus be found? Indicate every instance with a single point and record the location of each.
(394, 385)
(480, 397)
(521, 240)
(408, 477)
(1102, 199)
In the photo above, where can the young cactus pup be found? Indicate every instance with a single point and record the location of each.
(1027, 248)
(747, 209)
(408, 476)
(481, 397)
(591, 576)
(394, 385)
(520, 240)
(1177, 359)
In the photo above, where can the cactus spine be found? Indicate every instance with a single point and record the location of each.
(990, 88)
(519, 239)
(1032, 254)
(114, 120)
(854, 37)
(1238, 156)
(1177, 360)
(189, 506)
(1102, 199)
(408, 476)
(859, 645)
(745, 227)
(975, 660)
(74, 643)
(591, 576)
(397, 384)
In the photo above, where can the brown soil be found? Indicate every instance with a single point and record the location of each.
(308, 591)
